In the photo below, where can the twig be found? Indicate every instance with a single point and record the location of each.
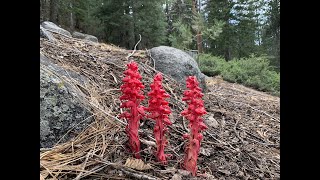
(184, 125)
(126, 170)
(264, 143)
(73, 128)
(221, 142)
(134, 48)
(179, 146)
(276, 119)
(83, 167)
(95, 169)
(109, 62)
(45, 149)
(175, 130)
(235, 130)
(54, 177)
(150, 143)
(123, 123)
(138, 175)
(154, 62)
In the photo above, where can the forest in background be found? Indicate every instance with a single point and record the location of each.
(237, 39)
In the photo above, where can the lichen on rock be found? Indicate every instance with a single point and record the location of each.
(60, 110)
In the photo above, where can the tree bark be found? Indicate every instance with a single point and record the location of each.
(71, 17)
(53, 10)
(199, 36)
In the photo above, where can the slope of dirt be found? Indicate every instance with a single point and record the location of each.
(242, 142)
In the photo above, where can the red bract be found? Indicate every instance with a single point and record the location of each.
(131, 97)
(159, 111)
(193, 113)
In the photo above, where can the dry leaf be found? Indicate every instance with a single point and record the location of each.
(56, 156)
(223, 122)
(226, 172)
(150, 143)
(41, 177)
(260, 133)
(176, 177)
(43, 174)
(137, 164)
(183, 172)
(210, 176)
(205, 151)
(212, 122)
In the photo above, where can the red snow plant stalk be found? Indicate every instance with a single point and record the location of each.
(131, 97)
(159, 111)
(193, 113)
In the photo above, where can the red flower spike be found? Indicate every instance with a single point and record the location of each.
(193, 113)
(159, 111)
(131, 97)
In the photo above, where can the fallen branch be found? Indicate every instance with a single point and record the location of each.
(235, 131)
(149, 143)
(137, 175)
(134, 50)
(126, 170)
(83, 167)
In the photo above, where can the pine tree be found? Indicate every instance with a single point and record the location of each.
(220, 10)
(149, 21)
(241, 34)
(180, 24)
(124, 20)
(271, 33)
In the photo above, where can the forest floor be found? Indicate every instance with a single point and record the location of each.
(242, 140)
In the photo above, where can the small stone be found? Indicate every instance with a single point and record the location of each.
(183, 172)
(176, 177)
(212, 122)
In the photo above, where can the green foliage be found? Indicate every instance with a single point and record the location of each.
(181, 37)
(124, 20)
(208, 31)
(241, 32)
(212, 32)
(253, 71)
(149, 21)
(211, 65)
(271, 33)
(179, 20)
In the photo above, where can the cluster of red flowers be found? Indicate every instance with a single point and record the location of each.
(132, 96)
(159, 111)
(193, 113)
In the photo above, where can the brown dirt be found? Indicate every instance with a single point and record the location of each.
(242, 142)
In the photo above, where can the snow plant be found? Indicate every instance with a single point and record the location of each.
(193, 97)
(132, 95)
(159, 111)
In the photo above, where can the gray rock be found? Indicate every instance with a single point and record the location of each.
(45, 34)
(177, 63)
(60, 107)
(84, 36)
(53, 27)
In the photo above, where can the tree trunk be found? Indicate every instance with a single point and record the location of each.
(71, 17)
(227, 54)
(41, 10)
(44, 10)
(199, 36)
(53, 10)
(168, 23)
